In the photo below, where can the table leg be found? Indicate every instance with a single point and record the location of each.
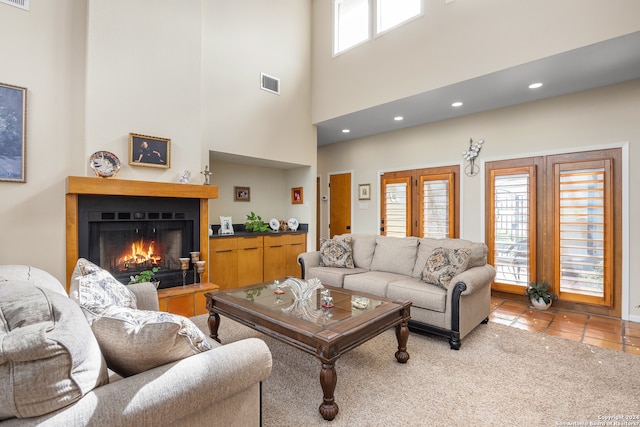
(214, 323)
(402, 335)
(328, 378)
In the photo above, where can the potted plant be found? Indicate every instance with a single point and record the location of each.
(255, 223)
(540, 295)
(145, 276)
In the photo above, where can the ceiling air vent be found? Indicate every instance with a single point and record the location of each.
(22, 4)
(270, 84)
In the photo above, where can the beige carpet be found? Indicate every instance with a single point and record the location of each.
(501, 377)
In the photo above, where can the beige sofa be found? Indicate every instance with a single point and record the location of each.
(221, 386)
(395, 268)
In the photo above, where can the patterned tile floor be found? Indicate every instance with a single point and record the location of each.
(596, 330)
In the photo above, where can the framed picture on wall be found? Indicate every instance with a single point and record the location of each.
(241, 194)
(364, 192)
(150, 151)
(13, 135)
(296, 196)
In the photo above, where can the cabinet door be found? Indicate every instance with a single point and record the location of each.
(250, 266)
(297, 245)
(224, 262)
(275, 262)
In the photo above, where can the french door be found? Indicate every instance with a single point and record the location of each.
(420, 202)
(557, 219)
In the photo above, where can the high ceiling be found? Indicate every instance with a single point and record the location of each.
(605, 63)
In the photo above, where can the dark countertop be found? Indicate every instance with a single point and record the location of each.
(251, 233)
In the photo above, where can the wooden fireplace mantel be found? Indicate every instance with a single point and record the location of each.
(78, 185)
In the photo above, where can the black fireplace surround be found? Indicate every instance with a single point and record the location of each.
(126, 235)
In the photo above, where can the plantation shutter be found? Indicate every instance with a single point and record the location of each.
(583, 231)
(437, 206)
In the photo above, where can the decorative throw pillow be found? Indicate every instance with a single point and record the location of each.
(444, 264)
(94, 288)
(336, 253)
(133, 341)
(49, 358)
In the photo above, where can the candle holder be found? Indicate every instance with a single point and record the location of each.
(184, 266)
(195, 257)
(200, 266)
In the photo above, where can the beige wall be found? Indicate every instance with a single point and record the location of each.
(452, 43)
(44, 51)
(98, 70)
(596, 118)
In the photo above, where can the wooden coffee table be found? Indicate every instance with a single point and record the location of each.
(326, 333)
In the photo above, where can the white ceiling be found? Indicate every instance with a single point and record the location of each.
(609, 62)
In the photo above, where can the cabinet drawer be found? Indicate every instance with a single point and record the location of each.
(223, 244)
(278, 240)
(250, 242)
(297, 239)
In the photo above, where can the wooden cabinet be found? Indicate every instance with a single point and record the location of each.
(244, 260)
(187, 300)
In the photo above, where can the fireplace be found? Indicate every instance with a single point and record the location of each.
(126, 235)
(130, 226)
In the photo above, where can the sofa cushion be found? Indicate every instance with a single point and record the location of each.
(94, 288)
(332, 276)
(477, 257)
(432, 298)
(363, 246)
(443, 264)
(395, 255)
(336, 253)
(374, 282)
(48, 358)
(134, 341)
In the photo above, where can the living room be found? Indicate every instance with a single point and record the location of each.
(96, 71)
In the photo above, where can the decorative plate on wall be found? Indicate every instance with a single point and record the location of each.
(104, 163)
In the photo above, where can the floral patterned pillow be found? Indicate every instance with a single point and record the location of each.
(444, 264)
(95, 289)
(336, 253)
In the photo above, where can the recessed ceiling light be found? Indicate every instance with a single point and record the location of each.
(457, 104)
(398, 118)
(346, 130)
(535, 85)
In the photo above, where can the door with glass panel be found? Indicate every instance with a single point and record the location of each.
(557, 219)
(420, 202)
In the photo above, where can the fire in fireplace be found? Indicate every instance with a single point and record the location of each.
(127, 235)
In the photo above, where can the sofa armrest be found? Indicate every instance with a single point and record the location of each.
(475, 278)
(308, 260)
(146, 296)
(169, 393)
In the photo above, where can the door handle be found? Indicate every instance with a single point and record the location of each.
(348, 227)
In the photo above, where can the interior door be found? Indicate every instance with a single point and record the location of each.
(339, 204)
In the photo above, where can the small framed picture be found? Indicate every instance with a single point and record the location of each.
(13, 133)
(150, 151)
(296, 196)
(241, 194)
(226, 225)
(364, 192)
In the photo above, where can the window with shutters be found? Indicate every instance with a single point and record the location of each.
(420, 202)
(553, 218)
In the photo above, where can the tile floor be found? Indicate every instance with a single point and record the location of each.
(596, 330)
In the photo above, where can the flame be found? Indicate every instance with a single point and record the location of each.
(141, 252)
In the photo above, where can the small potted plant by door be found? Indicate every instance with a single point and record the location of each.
(539, 295)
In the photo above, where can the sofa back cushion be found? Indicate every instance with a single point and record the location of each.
(33, 275)
(395, 254)
(477, 256)
(49, 358)
(362, 248)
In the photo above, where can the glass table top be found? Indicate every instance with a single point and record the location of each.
(345, 305)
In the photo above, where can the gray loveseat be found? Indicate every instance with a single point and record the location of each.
(394, 268)
(218, 387)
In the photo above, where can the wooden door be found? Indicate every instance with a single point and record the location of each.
(339, 204)
(224, 262)
(297, 245)
(250, 260)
